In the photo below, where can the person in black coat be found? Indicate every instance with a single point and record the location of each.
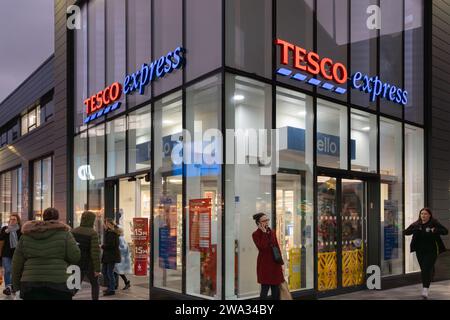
(111, 255)
(427, 244)
(10, 236)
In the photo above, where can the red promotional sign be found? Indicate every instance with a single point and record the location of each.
(200, 224)
(141, 245)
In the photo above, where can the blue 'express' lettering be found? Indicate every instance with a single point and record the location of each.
(157, 69)
(376, 88)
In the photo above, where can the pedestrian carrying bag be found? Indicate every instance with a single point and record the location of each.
(277, 255)
(285, 294)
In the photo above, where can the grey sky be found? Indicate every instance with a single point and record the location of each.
(26, 40)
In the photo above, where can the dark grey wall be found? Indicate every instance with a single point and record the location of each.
(34, 87)
(439, 114)
(62, 97)
(38, 142)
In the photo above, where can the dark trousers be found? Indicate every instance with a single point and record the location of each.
(108, 273)
(46, 294)
(274, 290)
(426, 261)
(93, 280)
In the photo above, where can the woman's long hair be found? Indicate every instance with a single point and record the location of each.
(419, 220)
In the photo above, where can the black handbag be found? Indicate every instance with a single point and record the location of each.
(277, 255)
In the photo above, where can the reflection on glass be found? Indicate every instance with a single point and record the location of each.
(331, 135)
(81, 176)
(391, 197)
(364, 131)
(139, 21)
(391, 54)
(363, 48)
(327, 235)
(414, 187)
(116, 133)
(248, 109)
(249, 36)
(168, 197)
(139, 139)
(297, 31)
(414, 59)
(332, 35)
(294, 197)
(96, 168)
(203, 188)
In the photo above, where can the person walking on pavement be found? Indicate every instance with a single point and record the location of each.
(88, 242)
(124, 267)
(10, 236)
(40, 261)
(111, 255)
(427, 243)
(269, 271)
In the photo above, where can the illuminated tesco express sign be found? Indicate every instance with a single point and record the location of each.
(107, 100)
(305, 65)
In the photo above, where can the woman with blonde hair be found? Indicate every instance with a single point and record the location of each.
(124, 267)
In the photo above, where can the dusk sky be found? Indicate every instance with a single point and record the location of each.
(26, 40)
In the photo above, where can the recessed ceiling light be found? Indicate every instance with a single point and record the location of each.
(167, 122)
(302, 113)
(366, 129)
(238, 97)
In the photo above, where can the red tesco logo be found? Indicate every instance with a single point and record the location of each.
(103, 98)
(312, 63)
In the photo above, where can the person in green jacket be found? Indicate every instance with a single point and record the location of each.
(88, 242)
(41, 258)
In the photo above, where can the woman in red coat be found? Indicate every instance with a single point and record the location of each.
(270, 273)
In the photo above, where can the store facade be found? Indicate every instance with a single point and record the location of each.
(191, 116)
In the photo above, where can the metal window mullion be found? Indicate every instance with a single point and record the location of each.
(184, 179)
(315, 211)
(403, 140)
(152, 156)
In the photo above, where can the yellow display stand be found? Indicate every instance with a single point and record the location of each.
(294, 268)
(352, 268)
(327, 271)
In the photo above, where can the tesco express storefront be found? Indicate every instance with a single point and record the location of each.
(191, 116)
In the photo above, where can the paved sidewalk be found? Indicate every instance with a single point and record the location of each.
(438, 291)
(138, 291)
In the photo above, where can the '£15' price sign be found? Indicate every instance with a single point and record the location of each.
(141, 245)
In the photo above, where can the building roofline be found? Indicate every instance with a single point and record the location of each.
(28, 78)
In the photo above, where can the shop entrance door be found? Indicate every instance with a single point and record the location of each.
(342, 236)
(127, 201)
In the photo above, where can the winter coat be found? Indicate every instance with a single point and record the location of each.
(268, 271)
(7, 251)
(111, 252)
(124, 267)
(426, 241)
(87, 239)
(42, 256)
